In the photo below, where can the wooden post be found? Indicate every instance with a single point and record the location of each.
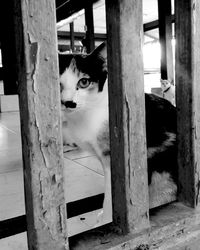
(165, 37)
(39, 100)
(127, 115)
(71, 27)
(89, 22)
(188, 98)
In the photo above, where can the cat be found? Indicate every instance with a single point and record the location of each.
(84, 105)
(168, 90)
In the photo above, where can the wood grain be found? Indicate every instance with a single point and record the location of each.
(188, 99)
(173, 227)
(40, 123)
(127, 115)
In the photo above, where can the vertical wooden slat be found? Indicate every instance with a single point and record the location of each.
(188, 98)
(165, 37)
(127, 115)
(71, 27)
(40, 123)
(89, 22)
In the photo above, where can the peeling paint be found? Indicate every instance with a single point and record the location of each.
(40, 143)
(128, 137)
(195, 133)
(41, 193)
(116, 132)
(197, 185)
(53, 179)
(61, 219)
(142, 247)
(34, 55)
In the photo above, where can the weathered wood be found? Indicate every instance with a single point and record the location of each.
(188, 98)
(40, 123)
(172, 227)
(89, 22)
(127, 116)
(165, 37)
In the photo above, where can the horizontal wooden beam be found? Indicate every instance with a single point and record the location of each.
(18, 224)
(13, 226)
(102, 37)
(155, 24)
(173, 227)
(80, 35)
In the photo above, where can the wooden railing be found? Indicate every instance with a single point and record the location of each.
(171, 227)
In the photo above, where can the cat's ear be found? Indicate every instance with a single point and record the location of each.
(98, 60)
(72, 65)
(101, 51)
(163, 83)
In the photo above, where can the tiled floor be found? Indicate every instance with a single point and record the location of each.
(82, 172)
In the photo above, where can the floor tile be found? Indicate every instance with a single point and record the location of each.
(9, 103)
(10, 159)
(91, 163)
(82, 174)
(10, 119)
(76, 154)
(9, 140)
(81, 182)
(16, 242)
(11, 194)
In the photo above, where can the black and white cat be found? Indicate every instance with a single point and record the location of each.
(84, 104)
(168, 91)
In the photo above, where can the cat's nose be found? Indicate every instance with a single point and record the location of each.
(69, 104)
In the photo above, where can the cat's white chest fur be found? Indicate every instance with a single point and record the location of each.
(83, 127)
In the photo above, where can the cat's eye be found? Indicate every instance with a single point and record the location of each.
(83, 83)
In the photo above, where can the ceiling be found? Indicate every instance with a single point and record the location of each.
(150, 13)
